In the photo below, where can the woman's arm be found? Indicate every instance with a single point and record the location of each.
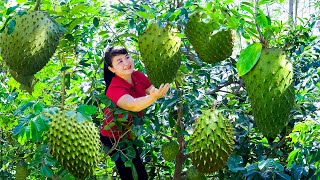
(130, 103)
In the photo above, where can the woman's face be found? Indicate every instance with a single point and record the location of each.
(122, 65)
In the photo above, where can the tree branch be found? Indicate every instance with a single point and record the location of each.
(191, 56)
(279, 145)
(229, 82)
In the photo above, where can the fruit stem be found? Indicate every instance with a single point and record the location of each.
(37, 7)
(257, 26)
(63, 88)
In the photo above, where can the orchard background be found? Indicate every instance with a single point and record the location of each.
(73, 78)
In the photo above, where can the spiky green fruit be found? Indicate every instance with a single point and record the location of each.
(22, 171)
(28, 42)
(270, 90)
(170, 150)
(212, 141)
(159, 48)
(211, 43)
(194, 174)
(75, 145)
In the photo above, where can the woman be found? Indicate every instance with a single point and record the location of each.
(130, 90)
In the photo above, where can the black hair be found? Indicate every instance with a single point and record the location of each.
(107, 58)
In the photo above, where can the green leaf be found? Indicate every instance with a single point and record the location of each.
(115, 156)
(248, 58)
(19, 128)
(234, 163)
(174, 15)
(38, 108)
(46, 171)
(109, 126)
(128, 163)
(96, 21)
(131, 152)
(87, 109)
(283, 176)
(65, 68)
(145, 15)
(11, 26)
(11, 9)
(35, 131)
(69, 37)
(67, 80)
(262, 19)
(74, 23)
(82, 117)
(146, 7)
(247, 9)
(105, 100)
(264, 164)
(292, 156)
(298, 172)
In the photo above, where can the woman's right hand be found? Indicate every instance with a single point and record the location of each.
(159, 93)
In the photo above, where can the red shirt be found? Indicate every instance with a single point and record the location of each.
(119, 87)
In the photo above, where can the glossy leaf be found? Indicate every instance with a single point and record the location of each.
(145, 15)
(248, 58)
(96, 21)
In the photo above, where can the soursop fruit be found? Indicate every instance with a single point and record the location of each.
(159, 48)
(212, 141)
(212, 43)
(22, 171)
(170, 150)
(75, 145)
(28, 42)
(194, 174)
(270, 90)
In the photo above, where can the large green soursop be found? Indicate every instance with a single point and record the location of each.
(211, 43)
(75, 145)
(270, 90)
(159, 48)
(212, 141)
(28, 42)
(170, 150)
(194, 174)
(22, 171)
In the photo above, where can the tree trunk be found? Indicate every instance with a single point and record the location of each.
(296, 11)
(291, 11)
(180, 158)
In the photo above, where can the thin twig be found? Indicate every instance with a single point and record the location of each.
(37, 6)
(279, 145)
(168, 137)
(239, 87)
(256, 22)
(3, 140)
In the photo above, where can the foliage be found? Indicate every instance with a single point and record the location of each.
(74, 79)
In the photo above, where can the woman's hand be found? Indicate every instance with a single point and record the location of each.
(159, 93)
(130, 103)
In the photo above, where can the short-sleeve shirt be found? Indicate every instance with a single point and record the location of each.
(117, 88)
